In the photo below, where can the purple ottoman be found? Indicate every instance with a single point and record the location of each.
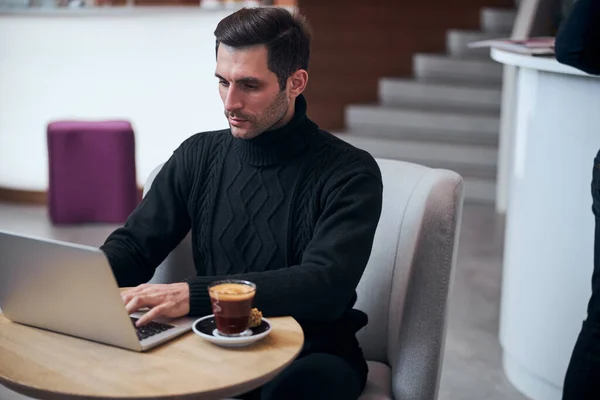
(92, 176)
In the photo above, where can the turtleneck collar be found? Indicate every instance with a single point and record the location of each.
(276, 146)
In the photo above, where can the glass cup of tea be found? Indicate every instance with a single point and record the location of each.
(231, 302)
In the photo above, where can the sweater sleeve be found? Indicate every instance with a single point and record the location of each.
(323, 284)
(578, 39)
(155, 227)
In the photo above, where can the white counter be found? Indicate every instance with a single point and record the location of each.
(154, 67)
(546, 64)
(548, 256)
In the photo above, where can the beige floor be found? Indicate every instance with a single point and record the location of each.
(472, 361)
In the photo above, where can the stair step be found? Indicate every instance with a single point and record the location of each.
(457, 43)
(458, 69)
(426, 136)
(450, 95)
(476, 160)
(380, 117)
(480, 181)
(498, 20)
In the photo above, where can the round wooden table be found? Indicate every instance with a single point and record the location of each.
(48, 365)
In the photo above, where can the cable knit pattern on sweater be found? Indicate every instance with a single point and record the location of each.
(293, 210)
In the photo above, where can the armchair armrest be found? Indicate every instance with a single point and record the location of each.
(429, 239)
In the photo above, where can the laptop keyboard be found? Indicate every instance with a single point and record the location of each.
(150, 329)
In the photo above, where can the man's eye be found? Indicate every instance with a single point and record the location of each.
(251, 87)
(224, 83)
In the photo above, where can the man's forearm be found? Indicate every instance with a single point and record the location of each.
(300, 291)
(154, 229)
(128, 269)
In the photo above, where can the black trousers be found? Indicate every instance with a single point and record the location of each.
(582, 380)
(316, 376)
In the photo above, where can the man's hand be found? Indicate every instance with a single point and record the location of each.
(170, 301)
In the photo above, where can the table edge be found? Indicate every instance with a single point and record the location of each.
(44, 394)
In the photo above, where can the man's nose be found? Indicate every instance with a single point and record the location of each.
(233, 100)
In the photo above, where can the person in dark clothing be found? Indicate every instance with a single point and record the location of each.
(273, 200)
(578, 39)
(578, 45)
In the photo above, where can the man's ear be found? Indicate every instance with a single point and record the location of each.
(297, 83)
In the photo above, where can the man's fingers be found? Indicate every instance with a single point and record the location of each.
(133, 304)
(141, 301)
(142, 289)
(128, 294)
(163, 300)
(126, 297)
(156, 312)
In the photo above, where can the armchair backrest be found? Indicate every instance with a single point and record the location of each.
(405, 286)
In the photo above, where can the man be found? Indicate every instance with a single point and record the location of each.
(273, 200)
(578, 45)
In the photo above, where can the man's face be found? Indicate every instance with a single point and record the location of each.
(250, 92)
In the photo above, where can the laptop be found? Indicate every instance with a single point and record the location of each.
(70, 289)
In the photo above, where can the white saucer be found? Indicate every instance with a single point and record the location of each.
(206, 328)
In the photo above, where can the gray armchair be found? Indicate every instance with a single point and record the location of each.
(405, 286)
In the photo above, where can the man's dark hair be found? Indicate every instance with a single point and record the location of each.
(286, 36)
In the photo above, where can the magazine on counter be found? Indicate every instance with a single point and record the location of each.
(536, 46)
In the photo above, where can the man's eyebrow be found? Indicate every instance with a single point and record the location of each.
(244, 80)
(248, 80)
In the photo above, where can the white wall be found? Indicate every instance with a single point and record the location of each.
(154, 68)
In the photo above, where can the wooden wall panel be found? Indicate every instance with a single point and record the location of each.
(356, 42)
(22, 196)
(34, 197)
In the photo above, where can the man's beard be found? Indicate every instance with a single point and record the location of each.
(267, 120)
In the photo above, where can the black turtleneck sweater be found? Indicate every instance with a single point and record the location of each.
(293, 210)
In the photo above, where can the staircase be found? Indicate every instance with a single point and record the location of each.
(447, 115)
